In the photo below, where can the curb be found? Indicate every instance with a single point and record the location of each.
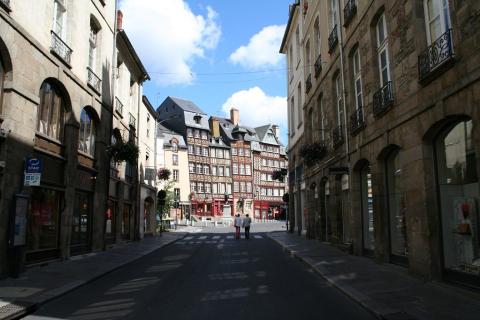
(379, 311)
(25, 307)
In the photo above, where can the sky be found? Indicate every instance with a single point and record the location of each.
(217, 53)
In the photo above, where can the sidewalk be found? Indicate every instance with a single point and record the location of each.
(39, 285)
(386, 290)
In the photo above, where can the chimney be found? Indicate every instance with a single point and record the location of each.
(119, 20)
(276, 130)
(234, 116)
(215, 127)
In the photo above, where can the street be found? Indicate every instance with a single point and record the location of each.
(208, 275)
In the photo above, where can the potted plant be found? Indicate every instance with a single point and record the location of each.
(163, 174)
(121, 151)
(279, 175)
(313, 152)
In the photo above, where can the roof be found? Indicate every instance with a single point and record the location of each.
(149, 106)
(168, 134)
(186, 105)
(228, 128)
(265, 138)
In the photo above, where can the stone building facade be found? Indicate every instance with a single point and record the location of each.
(396, 177)
(56, 115)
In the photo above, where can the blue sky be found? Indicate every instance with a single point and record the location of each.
(217, 53)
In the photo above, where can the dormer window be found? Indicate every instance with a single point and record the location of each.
(197, 118)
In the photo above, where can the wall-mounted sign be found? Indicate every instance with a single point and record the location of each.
(33, 172)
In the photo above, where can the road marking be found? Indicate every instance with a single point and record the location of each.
(202, 238)
(229, 237)
(215, 237)
(258, 237)
(189, 238)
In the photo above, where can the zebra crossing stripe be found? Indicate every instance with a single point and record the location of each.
(202, 238)
(215, 237)
(189, 238)
(229, 237)
(258, 237)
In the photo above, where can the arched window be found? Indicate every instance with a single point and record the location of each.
(86, 139)
(458, 188)
(51, 112)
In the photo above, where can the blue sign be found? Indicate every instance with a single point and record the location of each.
(34, 165)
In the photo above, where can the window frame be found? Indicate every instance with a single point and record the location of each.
(443, 15)
(357, 79)
(382, 47)
(59, 123)
(89, 148)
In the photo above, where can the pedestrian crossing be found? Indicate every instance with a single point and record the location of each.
(212, 239)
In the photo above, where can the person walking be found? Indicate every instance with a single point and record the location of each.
(246, 224)
(237, 224)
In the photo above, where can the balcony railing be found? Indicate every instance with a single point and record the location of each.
(93, 80)
(132, 122)
(118, 106)
(357, 121)
(308, 83)
(60, 48)
(318, 66)
(383, 99)
(333, 39)
(6, 5)
(349, 11)
(436, 55)
(337, 136)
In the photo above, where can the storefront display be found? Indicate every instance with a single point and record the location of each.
(81, 223)
(459, 194)
(367, 208)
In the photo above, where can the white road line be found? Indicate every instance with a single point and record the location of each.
(202, 238)
(215, 237)
(189, 238)
(229, 237)
(257, 237)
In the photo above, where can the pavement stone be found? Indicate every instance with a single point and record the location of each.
(388, 291)
(40, 284)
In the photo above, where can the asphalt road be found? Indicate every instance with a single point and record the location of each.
(208, 276)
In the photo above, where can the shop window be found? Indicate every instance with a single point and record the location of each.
(396, 206)
(51, 112)
(459, 192)
(367, 208)
(44, 219)
(86, 137)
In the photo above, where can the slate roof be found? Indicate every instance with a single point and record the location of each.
(187, 105)
(168, 134)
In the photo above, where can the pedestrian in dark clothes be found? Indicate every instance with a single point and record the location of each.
(247, 221)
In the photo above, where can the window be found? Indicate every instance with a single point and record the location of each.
(229, 188)
(382, 45)
(264, 162)
(247, 152)
(235, 186)
(290, 62)
(275, 192)
(206, 169)
(198, 150)
(199, 169)
(204, 135)
(317, 39)
(339, 100)
(196, 133)
(220, 171)
(308, 61)
(92, 48)
(235, 168)
(221, 188)
(191, 167)
(148, 126)
(291, 115)
(437, 18)
(208, 188)
(240, 152)
(193, 187)
(175, 159)
(248, 170)
(249, 187)
(176, 192)
(51, 112)
(333, 14)
(59, 18)
(189, 132)
(214, 188)
(214, 170)
(174, 146)
(227, 171)
(242, 168)
(263, 177)
(219, 153)
(243, 188)
(205, 151)
(234, 151)
(227, 154)
(299, 106)
(86, 137)
(201, 187)
(190, 149)
(175, 175)
(297, 44)
(2, 78)
(357, 79)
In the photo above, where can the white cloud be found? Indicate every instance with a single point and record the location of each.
(258, 109)
(262, 49)
(168, 36)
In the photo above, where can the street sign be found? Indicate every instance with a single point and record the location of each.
(33, 172)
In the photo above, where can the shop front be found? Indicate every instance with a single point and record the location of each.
(458, 187)
(81, 236)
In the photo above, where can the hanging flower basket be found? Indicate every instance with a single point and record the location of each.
(163, 174)
(279, 175)
(123, 152)
(313, 152)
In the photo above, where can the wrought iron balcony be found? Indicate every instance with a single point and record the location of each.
(132, 122)
(337, 136)
(308, 83)
(6, 5)
(436, 55)
(333, 39)
(318, 66)
(349, 12)
(357, 121)
(93, 80)
(60, 48)
(118, 106)
(383, 99)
